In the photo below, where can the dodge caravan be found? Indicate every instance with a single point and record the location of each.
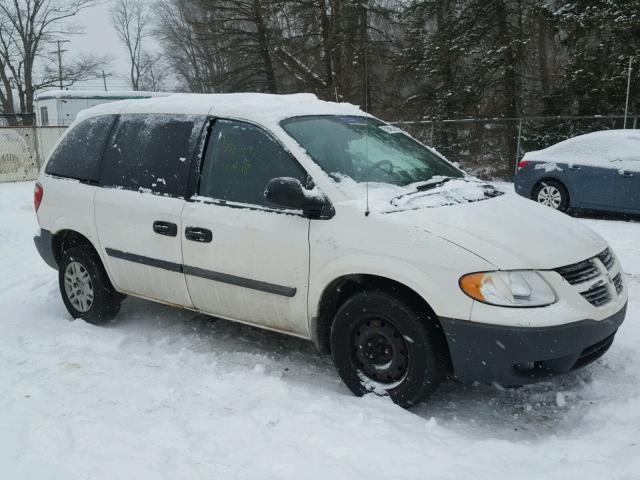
(314, 219)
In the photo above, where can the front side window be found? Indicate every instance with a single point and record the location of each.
(79, 153)
(366, 150)
(151, 152)
(240, 161)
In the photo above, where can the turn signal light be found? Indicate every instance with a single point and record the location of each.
(472, 285)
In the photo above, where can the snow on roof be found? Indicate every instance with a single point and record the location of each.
(261, 107)
(605, 148)
(84, 94)
(600, 136)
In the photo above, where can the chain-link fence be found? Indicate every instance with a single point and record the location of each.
(492, 147)
(24, 149)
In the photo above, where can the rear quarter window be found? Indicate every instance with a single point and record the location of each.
(152, 152)
(79, 153)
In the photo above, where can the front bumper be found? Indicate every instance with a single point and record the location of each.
(44, 245)
(521, 355)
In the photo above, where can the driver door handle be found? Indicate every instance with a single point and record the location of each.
(198, 234)
(165, 228)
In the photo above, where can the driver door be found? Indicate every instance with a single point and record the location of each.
(243, 259)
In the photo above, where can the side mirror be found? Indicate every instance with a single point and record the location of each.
(288, 192)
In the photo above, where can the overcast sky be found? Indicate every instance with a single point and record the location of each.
(100, 38)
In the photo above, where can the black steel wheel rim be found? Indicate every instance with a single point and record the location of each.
(379, 350)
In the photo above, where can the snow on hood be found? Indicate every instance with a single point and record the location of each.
(510, 232)
(618, 149)
(388, 198)
(507, 231)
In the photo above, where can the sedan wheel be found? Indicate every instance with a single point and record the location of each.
(550, 196)
(551, 193)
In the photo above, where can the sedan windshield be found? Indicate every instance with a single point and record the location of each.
(366, 150)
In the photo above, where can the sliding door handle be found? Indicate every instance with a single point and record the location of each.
(198, 234)
(165, 228)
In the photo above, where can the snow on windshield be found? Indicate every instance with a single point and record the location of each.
(388, 198)
(366, 149)
(618, 149)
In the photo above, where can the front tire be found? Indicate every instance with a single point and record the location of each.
(85, 287)
(551, 193)
(381, 344)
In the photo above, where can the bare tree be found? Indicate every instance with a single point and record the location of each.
(26, 28)
(153, 72)
(132, 21)
(193, 45)
(84, 67)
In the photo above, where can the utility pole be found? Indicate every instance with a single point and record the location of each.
(104, 80)
(364, 40)
(626, 106)
(60, 51)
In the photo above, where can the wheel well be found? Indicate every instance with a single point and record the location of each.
(342, 288)
(66, 239)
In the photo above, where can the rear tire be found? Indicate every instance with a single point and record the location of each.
(85, 287)
(551, 193)
(381, 344)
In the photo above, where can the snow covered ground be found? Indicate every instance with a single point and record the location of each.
(164, 393)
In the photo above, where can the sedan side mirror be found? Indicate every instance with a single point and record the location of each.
(288, 192)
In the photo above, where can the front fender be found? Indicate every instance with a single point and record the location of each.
(439, 288)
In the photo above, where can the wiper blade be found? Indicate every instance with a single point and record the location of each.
(430, 186)
(423, 187)
(489, 190)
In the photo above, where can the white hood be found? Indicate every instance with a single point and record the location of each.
(509, 232)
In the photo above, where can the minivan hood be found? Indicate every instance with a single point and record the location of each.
(509, 232)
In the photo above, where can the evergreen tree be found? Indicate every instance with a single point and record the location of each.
(601, 36)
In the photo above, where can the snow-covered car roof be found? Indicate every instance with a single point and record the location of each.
(259, 107)
(95, 94)
(607, 148)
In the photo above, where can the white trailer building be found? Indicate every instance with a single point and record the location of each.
(60, 107)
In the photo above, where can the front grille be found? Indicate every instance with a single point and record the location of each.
(598, 294)
(602, 286)
(606, 258)
(579, 272)
(617, 281)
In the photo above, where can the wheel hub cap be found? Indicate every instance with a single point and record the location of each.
(550, 196)
(380, 351)
(78, 286)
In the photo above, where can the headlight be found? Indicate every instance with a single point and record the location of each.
(522, 288)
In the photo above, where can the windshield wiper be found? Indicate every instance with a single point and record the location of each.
(430, 186)
(423, 187)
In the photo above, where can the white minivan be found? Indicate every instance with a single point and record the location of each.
(314, 219)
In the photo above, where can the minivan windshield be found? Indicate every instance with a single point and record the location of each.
(366, 150)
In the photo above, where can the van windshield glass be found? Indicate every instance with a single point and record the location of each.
(366, 150)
